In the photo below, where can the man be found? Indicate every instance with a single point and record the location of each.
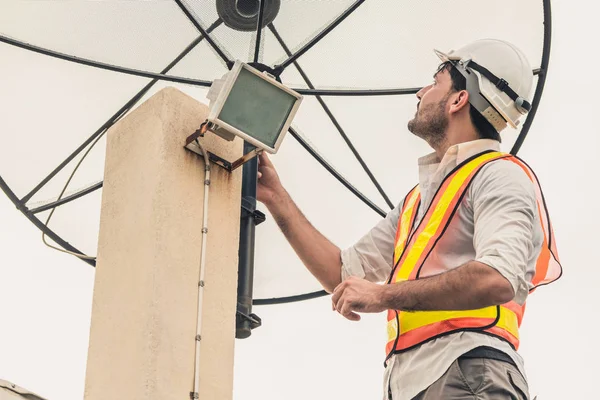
(460, 253)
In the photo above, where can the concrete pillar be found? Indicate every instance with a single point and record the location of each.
(144, 308)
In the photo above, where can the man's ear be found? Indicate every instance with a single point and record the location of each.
(460, 100)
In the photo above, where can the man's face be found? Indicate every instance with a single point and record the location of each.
(431, 119)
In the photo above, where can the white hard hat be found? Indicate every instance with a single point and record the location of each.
(499, 79)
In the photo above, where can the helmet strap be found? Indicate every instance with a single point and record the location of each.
(477, 100)
(520, 103)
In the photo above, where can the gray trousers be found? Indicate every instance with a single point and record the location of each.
(478, 378)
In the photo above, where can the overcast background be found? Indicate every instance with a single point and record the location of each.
(305, 350)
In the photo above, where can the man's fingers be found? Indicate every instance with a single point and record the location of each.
(337, 293)
(343, 301)
(264, 159)
(346, 311)
(353, 316)
(342, 304)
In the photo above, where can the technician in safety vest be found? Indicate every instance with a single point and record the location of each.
(460, 253)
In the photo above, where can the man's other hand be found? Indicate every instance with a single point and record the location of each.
(356, 295)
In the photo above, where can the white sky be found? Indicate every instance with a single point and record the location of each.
(305, 350)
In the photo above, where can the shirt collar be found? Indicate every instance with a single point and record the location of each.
(432, 170)
(461, 151)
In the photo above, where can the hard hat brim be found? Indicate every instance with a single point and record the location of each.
(445, 57)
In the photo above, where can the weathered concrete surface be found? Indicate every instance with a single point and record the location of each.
(144, 308)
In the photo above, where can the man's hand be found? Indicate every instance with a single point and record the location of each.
(269, 185)
(357, 295)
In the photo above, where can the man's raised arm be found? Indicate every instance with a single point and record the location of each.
(319, 255)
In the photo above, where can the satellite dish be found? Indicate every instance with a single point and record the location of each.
(10, 391)
(73, 69)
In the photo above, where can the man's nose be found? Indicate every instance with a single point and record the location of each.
(421, 92)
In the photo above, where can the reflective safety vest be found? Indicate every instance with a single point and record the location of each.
(414, 244)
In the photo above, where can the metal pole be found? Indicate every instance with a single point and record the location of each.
(245, 320)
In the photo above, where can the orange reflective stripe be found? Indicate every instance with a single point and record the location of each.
(544, 258)
(417, 336)
(542, 265)
(438, 215)
(548, 268)
(414, 320)
(416, 327)
(392, 330)
(406, 221)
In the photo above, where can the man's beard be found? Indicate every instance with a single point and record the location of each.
(430, 123)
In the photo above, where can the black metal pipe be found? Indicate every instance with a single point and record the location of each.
(196, 82)
(542, 74)
(101, 65)
(67, 199)
(368, 92)
(336, 174)
(246, 249)
(357, 92)
(289, 299)
(261, 12)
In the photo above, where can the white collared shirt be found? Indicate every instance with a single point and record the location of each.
(498, 225)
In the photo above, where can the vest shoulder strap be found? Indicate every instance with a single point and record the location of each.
(438, 216)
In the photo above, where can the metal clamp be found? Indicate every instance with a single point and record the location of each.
(191, 144)
(254, 319)
(249, 209)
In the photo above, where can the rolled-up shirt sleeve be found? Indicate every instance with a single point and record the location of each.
(508, 235)
(371, 257)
